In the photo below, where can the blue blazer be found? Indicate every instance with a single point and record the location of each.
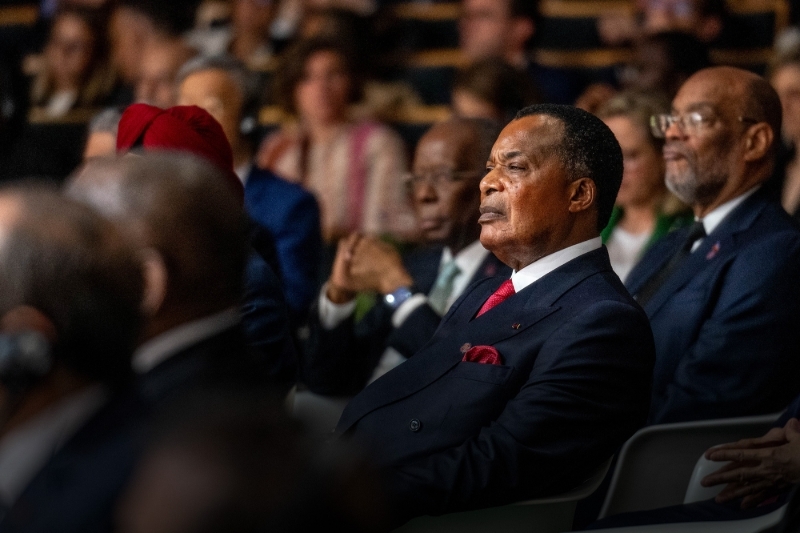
(339, 362)
(291, 215)
(727, 323)
(577, 356)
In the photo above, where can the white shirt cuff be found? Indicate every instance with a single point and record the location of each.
(408, 307)
(331, 314)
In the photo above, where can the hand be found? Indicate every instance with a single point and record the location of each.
(376, 266)
(759, 468)
(340, 286)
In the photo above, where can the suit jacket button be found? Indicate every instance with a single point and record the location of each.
(415, 425)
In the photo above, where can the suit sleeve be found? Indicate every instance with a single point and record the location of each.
(298, 243)
(744, 359)
(587, 392)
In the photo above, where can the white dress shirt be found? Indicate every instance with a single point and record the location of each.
(161, 347)
(543, 266)
(715, 217)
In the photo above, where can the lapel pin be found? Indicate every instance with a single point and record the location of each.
(515, 325)
(465, 347)
(713, 251)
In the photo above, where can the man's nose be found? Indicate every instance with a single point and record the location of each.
(490, 183)
(425, 192)
(674, 131)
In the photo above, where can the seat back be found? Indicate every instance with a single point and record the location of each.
(543, 515)
(655, 465)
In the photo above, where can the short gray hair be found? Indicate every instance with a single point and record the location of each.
(244, 81)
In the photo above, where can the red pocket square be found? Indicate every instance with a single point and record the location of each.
(487, 355)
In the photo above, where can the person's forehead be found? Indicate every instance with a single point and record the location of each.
(710, 92)
(446, 143)
(531, 136)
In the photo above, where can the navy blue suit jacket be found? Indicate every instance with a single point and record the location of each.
(577, 356)
(291, 215)
(727, 322)
(340, 361)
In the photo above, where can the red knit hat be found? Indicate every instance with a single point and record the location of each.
(180, 128)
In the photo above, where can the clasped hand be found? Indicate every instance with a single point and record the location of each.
(758, 468)
(365, 264)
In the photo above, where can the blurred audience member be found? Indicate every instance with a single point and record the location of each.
(101, 138)
(160, 61)
(229, 462)
(355, 169)
(75, 72)
(70, 295)
(704, 19)
(418, 289)
(190, 231)
(645, 211)
(247, 38)
(663, 61)
(722, 296)
(784, 76)
(287, 211)
(503, 29)
(493, 90)
(136, 23)
(190, 129)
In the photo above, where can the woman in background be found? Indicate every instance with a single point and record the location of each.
(645, 211)
(354, 168)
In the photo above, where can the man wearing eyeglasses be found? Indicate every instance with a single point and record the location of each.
(723, 296)
(416, 290)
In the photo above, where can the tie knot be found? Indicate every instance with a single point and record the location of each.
(696, 231)
(505, 290)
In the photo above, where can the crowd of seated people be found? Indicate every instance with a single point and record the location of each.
(211, 213)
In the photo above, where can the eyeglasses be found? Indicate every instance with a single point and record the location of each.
(438, 178)
(691, 123)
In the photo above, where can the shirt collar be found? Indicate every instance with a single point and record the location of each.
(161, 347)
(548, 263)
(468, 258)
(715, 217)
(243, 171)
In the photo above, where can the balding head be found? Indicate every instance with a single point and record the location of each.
(728, 139)
(448, 165)
(63, 260)
(181, 207)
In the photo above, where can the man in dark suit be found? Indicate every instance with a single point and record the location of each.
(189, 228)
(529, 383)
(344, 354)
(723, 297)
(287, 211)
(70, 291)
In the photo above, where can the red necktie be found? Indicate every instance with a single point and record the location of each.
(503, 291)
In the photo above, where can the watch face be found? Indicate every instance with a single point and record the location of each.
(396, 298)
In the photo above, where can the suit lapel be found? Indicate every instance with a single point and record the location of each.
(509, 318)
(715, 248)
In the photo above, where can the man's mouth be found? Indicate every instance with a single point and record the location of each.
(430, 223)
(490, 213)
(672, 153)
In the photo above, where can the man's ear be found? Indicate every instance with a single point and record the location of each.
(156, 279)
(759, 138)
(28, 318)
(584, 193)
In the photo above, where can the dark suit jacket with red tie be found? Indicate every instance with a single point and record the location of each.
(577, 356)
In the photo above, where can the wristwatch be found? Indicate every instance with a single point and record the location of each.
(395, 299)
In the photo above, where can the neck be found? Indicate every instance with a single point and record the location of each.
(463, 238)
(727, 194)
(245, 45)
(322, 132)
(241, 154)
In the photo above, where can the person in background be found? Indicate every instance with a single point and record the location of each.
(722, 295)
(354, 169)
(784, 76)
(75, 71)
(71, 291)
(493, 90)
(160, 61)
(644, 211)
(345, 353)
(287, 211)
